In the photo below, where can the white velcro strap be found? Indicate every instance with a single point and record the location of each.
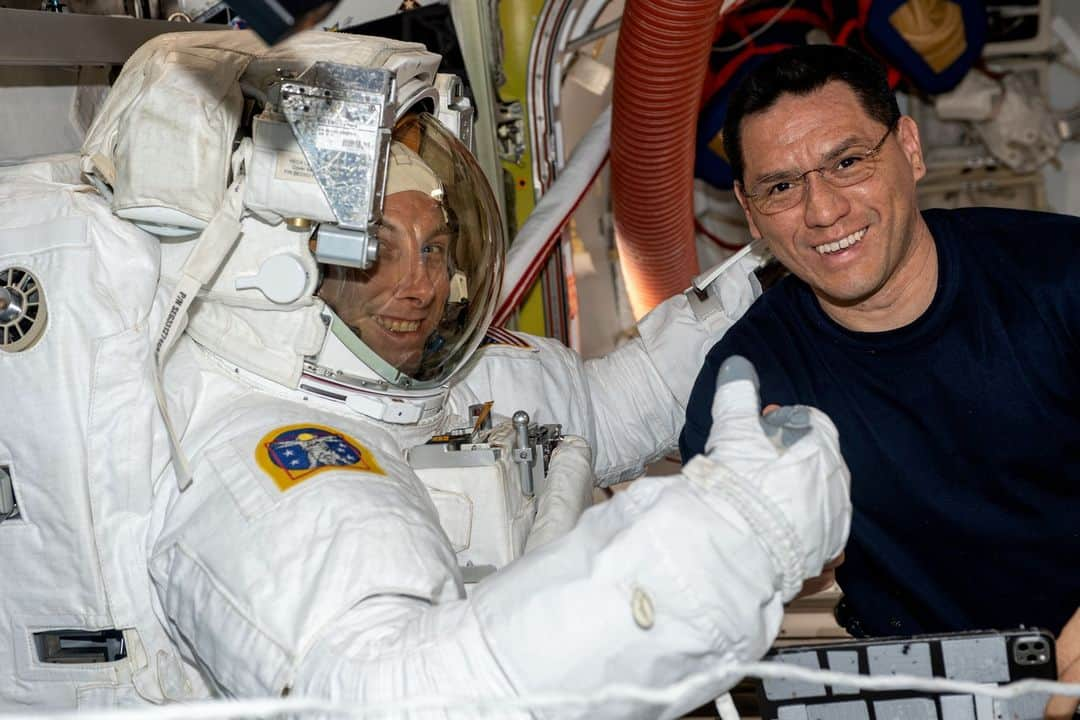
(385, 408)
(206, 257)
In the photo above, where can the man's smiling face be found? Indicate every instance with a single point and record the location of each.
(396, 305)
(852, 243)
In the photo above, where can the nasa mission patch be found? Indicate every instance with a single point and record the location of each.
(294, 453)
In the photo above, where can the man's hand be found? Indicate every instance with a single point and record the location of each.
(823, 581)
(1061, 707)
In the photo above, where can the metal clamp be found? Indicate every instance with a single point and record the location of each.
(510, 131)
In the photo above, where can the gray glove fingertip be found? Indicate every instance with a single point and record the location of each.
(799, 417)
(790, 422)
(771, 431)
(736, 368)
(778, 418)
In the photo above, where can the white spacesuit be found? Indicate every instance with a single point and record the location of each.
(268, 473)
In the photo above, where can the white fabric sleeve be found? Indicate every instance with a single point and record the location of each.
(667, 579)
(344, 588)
(660, 582)
(659, 368)
(676, 573)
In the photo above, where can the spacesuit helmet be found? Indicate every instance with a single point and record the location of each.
(421, 307)
(366, 142)
(323, 204)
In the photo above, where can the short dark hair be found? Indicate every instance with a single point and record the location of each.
(802, 70)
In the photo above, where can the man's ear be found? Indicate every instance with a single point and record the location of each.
(744, 203)
(907, 132)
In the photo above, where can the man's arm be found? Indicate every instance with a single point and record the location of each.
(1061, 707)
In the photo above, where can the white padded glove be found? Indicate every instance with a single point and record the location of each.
(783, 471)
(567, 492)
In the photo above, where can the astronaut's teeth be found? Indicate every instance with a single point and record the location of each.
(399, 325)
(842, 243)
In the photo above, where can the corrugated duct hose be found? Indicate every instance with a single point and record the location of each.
(660, 66)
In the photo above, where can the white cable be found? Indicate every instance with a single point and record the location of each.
(661, 697)
(909, 682)
(768, 24)
(725, 708)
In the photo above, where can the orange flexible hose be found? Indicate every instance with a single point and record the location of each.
(660, 66)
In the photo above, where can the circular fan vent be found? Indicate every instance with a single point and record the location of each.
(22, 309)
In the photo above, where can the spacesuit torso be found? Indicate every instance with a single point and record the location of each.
(488, 487)
(79, 628)
(86, 633)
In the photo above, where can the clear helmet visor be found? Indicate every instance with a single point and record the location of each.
(425, 304)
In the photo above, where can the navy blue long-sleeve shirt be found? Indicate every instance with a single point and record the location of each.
(961, 430)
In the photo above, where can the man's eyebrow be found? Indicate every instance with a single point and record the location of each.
(842, 147)
(443, 229)
(839, 149)
(776, 175)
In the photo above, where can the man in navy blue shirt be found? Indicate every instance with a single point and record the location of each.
(945, 346)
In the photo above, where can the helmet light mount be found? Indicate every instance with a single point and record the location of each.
(341, 116)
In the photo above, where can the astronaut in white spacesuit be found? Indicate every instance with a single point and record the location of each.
(276, 462)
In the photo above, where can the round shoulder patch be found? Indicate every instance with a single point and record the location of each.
(294, 453)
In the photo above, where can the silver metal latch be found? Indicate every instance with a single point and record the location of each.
(533, 445)
(523, 450)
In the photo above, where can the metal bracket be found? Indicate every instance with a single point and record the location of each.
(341, 116)
(510, 131)
(455, 110)
(532, 449)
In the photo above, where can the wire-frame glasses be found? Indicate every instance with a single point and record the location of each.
(777, 193)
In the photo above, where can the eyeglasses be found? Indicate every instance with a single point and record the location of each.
(779, 193)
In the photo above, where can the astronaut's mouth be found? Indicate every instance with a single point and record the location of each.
(398, 326)
(842, 244)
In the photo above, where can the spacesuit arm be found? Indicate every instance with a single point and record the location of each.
(343, 586)
(630, 404)
(669, 578)
(637, 394)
